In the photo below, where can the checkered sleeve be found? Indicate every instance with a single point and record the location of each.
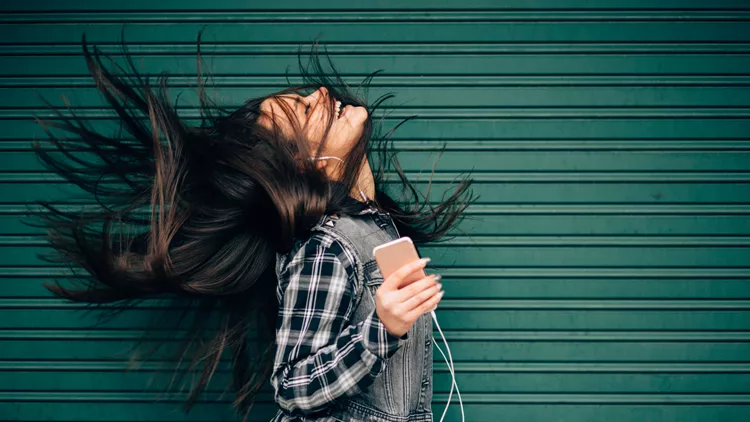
(321, 357)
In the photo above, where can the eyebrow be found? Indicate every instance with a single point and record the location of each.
(296, 98)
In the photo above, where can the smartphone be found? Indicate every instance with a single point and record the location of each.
(395, 254)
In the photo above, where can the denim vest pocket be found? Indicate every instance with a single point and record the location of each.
(381, 392)
(408, 360)
(373, 276)
(373, 279)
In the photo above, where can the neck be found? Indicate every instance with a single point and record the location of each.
(365, 179)
(365, 182)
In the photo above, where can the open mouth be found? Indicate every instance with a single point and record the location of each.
(338, 109)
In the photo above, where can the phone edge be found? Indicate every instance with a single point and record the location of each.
(392, 242)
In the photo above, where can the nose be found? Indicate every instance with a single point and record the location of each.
(319, 95)
(322, 91)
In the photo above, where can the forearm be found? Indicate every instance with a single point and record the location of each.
(342, 369)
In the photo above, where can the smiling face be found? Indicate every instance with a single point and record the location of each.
(311, 114)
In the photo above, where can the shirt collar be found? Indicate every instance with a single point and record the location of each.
(361, 207)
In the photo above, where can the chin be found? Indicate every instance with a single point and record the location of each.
(357, 116)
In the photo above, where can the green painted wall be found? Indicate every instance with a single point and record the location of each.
(604, 274)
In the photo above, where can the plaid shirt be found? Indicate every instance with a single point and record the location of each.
(320, 356)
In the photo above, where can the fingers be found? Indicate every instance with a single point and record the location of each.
(393, 281)
(426, 306)
(407, 292)
(419, 298)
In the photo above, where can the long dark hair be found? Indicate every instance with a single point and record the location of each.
(197, 213)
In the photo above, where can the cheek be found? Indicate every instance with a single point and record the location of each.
(346, 131)
(338, 142)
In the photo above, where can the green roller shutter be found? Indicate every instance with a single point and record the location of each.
(604, 274)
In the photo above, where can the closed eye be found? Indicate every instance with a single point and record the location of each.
(307, 106)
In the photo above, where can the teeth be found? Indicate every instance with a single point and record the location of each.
(338, 108)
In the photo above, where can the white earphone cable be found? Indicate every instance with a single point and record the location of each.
(451, 368)
(337, 158)
(448, 360)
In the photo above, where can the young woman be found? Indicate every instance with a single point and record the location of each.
(259, 222)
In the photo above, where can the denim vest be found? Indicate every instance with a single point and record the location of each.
(402, 391)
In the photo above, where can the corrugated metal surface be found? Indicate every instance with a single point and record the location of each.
(605, 272)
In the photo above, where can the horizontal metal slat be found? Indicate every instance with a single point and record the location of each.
(529, 162)
(486, 412)
(665, 305)
(404, 81)
(450, 319)
(492, 192)
(706, 256)
(344, 5)
(434, 64)
(466, 346)
(534, 224)
(138, 397)
(462, 367)
(521, 241)
(480, 101)
(499, 285)
(376, 16)
(260, 48)
(519, 209)
(591, 113)
(577, 382)
(589, 336)
(385, 31)
(492, 177)
(531, 128)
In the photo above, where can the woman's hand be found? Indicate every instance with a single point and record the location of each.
(399, 307)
